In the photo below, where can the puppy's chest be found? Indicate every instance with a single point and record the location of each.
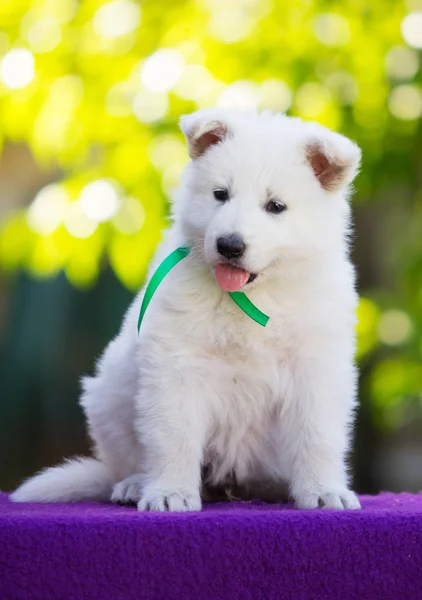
(248, 380)
(241, 353)
(248, 391)
(237, 353)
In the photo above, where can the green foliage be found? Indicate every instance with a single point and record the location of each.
(95, 88)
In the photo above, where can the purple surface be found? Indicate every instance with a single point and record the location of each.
(244, 550)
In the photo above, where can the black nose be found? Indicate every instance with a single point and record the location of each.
(231, 246)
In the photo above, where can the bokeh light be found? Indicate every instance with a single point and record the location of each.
(240, 94)
(276, 95)
(117, 18)
(402, 63)
(130, 218)
(77, 222)
(99, 200)
(231, 23)
(332, 29)
(149, 106)
(17, 68)
(312, 100)
(162, 70)
(405, 102)
(411, 29)
(48, 209)
(394, 327)
(42, 34)
(198, 84)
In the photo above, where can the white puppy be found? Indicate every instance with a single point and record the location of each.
(205, 396)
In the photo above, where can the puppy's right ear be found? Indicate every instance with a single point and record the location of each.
(202, 130)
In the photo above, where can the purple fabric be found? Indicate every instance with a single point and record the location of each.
(246, 551)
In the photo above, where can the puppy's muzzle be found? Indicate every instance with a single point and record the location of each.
(231, 246)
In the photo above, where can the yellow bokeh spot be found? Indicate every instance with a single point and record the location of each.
(130, 159)
(198, 84)
(366, 326)
(343, 86)
(78, 223)
(100, 200)
(312, 100)
(17, 68)
(241, 94)
(82, 269)
(119, 99)
(117, 18)
(47, 210)
(55, 124)
(63, 10)
(394, 327)
(167, 150)
(401, 63)
(162, 70)
(150, 106)
(130, 256)
(411, 29)
(46, 257)
(275, 94)
(332, 29)
(42, 34)
(131, 216)
(231, 23)
(14, 241)
(405, 102)
(393, 379)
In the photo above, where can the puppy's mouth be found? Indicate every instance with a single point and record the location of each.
(231, 278)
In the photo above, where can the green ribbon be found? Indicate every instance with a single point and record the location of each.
(249, 308)
(169, 263)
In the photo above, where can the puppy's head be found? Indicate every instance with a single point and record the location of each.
(263, 191)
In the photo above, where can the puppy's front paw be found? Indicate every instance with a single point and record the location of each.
(171, 500)
(128, 491)
(332, 499)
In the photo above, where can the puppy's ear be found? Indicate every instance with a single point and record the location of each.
(202, 130)
(334, 160)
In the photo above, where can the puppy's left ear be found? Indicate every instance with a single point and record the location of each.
(203, 129)
(334, 160)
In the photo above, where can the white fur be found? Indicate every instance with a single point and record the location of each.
(77, 479)
(203, 384)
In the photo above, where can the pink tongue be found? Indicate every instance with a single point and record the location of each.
(231, 278)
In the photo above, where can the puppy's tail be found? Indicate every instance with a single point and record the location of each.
(76, 480)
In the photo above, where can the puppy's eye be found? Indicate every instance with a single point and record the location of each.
(275, 207)
(221, 194)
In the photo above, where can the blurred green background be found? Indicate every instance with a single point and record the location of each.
(90, 96)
